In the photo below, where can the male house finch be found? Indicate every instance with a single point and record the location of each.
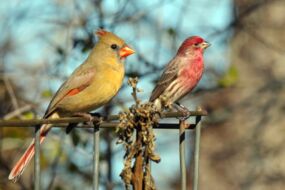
(91, 85)
(182, 73)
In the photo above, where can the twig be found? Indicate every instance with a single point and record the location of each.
(11, 93)
(133, 83)
(18, 112)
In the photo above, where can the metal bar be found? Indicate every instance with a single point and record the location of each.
(37, 173)
(182, 114)
(62, 122)
(115, 125)
(182, 154)
(96, 157)
(14, 123)
(108, 125)
(197, 153)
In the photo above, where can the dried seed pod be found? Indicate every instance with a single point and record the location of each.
(136, 134)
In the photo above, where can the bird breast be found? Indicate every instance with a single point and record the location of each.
(192, 73)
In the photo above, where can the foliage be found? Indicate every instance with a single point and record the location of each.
(230, 77)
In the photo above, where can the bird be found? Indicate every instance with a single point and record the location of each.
(181, 74)
(91, 85)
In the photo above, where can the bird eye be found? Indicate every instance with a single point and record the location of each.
(114, 46)
(196, 44)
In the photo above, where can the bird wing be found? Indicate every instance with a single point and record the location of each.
(77, 82)
(169, 74)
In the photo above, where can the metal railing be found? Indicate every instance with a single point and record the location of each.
(110, 122)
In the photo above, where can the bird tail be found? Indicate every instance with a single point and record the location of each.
(20, 166)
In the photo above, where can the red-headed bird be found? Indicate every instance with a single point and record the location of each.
(93, 84)
(182, 73)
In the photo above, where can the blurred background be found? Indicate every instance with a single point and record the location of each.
(42, 42)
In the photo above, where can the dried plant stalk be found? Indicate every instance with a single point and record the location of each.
(135, 132)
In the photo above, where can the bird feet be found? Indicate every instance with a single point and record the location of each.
(92, 117)
(184, 110)
(84, 115)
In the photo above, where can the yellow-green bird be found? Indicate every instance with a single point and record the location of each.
(93, 84)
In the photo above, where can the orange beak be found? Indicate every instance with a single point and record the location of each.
(126, 51)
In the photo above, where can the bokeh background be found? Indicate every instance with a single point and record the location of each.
(41, 42)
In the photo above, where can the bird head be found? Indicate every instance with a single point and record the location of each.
(113, 44)
(193, 44)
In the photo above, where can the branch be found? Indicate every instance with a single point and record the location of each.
(105, 124)
(18, 112)
(11, 92)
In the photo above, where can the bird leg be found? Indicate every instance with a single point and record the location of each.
(70, 127)
(92, 117)
(183, 109)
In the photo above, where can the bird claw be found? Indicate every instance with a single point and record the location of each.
(184, 110)
(97, 118)
(85, 115)
(71, 126)
(92, 117)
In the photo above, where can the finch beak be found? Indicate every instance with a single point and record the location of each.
(125, 51)
(205, 45)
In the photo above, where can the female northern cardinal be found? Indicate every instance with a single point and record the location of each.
(91, 85)
(182, 73)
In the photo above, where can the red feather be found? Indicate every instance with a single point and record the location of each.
(189, 42)
(73, 92)
(101, 32)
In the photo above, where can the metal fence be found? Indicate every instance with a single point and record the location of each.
(111, 122)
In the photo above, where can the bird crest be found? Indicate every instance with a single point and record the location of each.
(101, 32)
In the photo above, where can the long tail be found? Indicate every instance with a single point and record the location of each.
(20, 166)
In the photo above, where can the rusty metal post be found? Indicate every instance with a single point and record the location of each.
(197, 153)
(96, 156)
(37, 171)
(182, 126)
